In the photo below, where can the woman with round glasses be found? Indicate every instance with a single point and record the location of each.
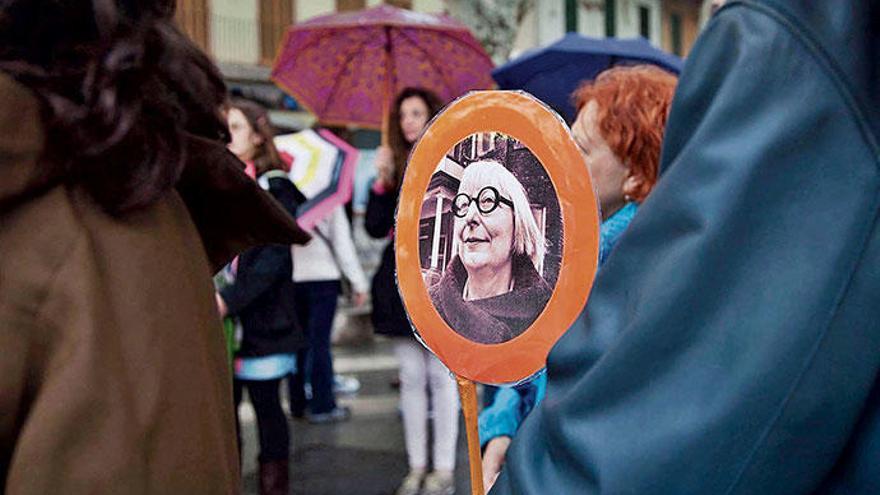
(492, 291)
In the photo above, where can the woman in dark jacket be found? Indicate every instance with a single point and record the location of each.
(261, 297)
(411, 111)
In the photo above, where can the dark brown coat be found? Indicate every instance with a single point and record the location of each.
(113, 373)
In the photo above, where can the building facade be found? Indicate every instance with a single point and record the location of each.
(244, 36)
(248, 32)
(671, 25)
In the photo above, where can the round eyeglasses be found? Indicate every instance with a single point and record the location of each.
(487, 200)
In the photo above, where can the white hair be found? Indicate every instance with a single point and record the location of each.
(527, 237)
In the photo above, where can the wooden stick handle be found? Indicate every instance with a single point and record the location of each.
(468, 392)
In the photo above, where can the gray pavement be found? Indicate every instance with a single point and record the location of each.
(363, 456)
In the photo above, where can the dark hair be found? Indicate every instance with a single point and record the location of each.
(120, 86)
(400, 148)
(266, 157)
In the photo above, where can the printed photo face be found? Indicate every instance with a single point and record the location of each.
(490, 238)
(496, 236)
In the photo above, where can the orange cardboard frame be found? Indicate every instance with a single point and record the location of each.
(526, 119)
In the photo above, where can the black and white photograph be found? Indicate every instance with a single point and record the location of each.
(490, 238)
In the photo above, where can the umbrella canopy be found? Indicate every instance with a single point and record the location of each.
(345, 68)
(553, 72)
(323, 169)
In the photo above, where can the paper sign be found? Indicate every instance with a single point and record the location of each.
(497, 235)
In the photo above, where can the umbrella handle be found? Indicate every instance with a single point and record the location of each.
(386, 92)
(385, 121)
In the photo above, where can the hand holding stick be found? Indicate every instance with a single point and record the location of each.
(493, 459)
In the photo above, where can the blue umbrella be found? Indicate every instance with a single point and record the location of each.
(553, 72)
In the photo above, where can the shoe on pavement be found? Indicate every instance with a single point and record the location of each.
(439, 483)
(412, 483)
(346, 385)
(336, 415)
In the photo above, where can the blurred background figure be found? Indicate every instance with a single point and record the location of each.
(251, 134)
(114, 377)
(419, 369)
(320, 264)
(260, 295)
(619, 130)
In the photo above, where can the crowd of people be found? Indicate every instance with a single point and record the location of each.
(725, 348)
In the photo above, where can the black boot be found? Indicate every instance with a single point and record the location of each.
(274, 478)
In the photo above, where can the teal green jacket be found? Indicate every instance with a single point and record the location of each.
(731, 345)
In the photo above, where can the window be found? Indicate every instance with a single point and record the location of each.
(426, 240)
(442, 243)
(645, 22)
(610, 18)
(349, 5)
(571, 16)
(402, 4)
(192, 18)
(675, 33)
(487, 143)
(275, 17)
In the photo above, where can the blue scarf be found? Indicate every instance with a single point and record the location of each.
(611, 229)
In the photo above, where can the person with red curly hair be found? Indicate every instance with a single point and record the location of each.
(619, 130)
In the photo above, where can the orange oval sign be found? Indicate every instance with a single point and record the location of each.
(497, 235)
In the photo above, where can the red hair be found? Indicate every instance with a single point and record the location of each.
(632, 107)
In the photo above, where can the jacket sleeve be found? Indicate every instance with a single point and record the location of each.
(379, 219)
(287, 194)
(500, 418)
(509, 409)
(723, 347)
(260, 269)
(346, 254)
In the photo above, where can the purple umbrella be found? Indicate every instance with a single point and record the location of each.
(345, 68)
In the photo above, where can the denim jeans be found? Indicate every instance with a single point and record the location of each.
(316, 307)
